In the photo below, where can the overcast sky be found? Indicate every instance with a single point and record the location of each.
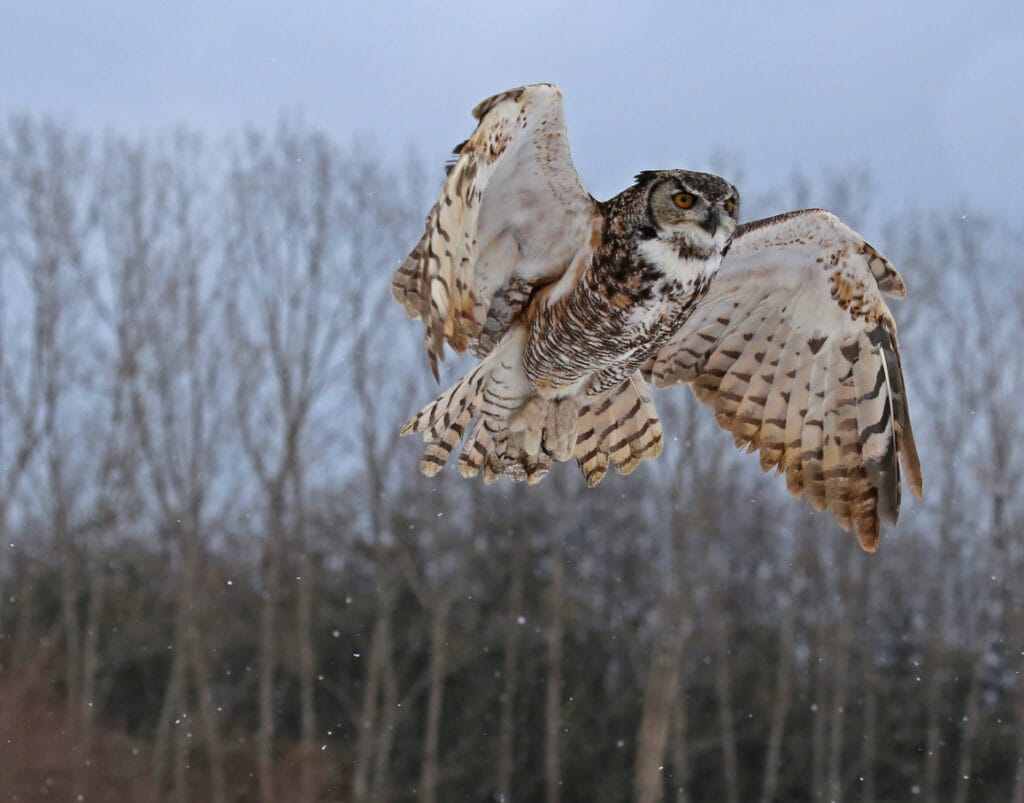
(929, 95)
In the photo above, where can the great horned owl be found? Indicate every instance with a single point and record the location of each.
(575, 306)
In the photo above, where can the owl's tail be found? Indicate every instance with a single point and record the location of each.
(516, 434)
(491, 394)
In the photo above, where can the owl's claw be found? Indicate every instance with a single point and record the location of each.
(560, 429)
(548, 423)
(527, 424)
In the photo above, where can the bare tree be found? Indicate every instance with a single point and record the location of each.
(165, 321)
(49, 168)
(20, 379)
(220, 570)
(285, 317)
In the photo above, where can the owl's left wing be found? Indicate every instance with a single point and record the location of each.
(796, 351)
(512, 215)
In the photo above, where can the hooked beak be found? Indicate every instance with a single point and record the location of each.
(710, 223)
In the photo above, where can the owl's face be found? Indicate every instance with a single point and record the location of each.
(698, 208)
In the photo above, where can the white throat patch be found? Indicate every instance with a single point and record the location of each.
(664, 255)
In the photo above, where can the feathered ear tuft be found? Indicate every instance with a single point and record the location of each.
(646, 176)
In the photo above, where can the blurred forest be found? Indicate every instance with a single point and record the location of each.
(222, 577)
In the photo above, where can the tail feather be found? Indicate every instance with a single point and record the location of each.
(444, 420)
(490, 393)
(620, 427)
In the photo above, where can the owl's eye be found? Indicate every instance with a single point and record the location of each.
(730, 206)
(683, 200)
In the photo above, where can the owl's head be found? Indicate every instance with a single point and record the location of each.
(698, 208)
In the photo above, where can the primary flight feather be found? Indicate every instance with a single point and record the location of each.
(575, 307)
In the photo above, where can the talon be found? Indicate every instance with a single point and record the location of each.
(560, 429)
(534, 469)
(566, 419)
(528, 424)
(551, 430)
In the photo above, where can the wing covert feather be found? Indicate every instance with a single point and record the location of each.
(796, 351)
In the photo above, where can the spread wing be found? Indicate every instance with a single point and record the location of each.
(796, 351)
(512, 215)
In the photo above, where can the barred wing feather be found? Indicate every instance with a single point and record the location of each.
(796, 351)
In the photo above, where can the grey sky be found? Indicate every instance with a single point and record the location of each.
(929, 95)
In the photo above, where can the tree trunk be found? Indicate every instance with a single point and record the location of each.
(933, 713)
(553, 688)
(208, 715)
(967, 734)
(837, 707)
(723, 690)
(304, 639)
(68, 599)
(819, 756)
(780, 706)
(307, 672)
(170, 707)
(367, 725)
(935, 692)
(268, 652)
(870, 748)
(506, 727)
(680, 747)
(1018, 778)
(1016, 616)
(90, 663)
(435, 699)
(179, 774)
(659, 707)
(382, 782)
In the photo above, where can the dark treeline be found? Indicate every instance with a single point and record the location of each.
(222, 577)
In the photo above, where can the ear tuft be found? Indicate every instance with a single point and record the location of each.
(646, 176)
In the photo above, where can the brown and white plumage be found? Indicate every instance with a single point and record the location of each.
(575, 305)
(796, 351)
(511, 217)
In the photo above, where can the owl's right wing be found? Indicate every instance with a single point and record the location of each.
(512, 215)
(796, 351)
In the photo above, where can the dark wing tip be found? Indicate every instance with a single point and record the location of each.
(904, 434)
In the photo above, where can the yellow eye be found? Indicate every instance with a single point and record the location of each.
(730, 206)
(683, 200)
